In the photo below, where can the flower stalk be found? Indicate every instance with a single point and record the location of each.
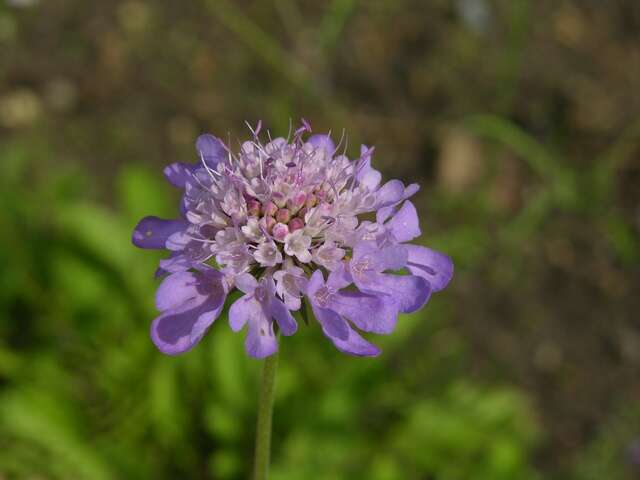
(265, 415)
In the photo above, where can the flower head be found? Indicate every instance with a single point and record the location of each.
(271, 219)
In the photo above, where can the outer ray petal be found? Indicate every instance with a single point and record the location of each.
(354, 344)
(405, 225)
(332, 324)
(408, 291)
(178, 331)
(283, 317)
(178, 174)
(261, 339)
(211, 149)
(435, 267)
(153, 232)
(322, 141)
(369, 313)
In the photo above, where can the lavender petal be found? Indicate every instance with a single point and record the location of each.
(211, 149)
(333, 325)
(153, 232)
(435, 267)
(322, 141)
(370, 313)
(178, 331)
(178, 174)
(283, 317)
(405, 225)
(261, 340)
(408, 291)
(354, 344)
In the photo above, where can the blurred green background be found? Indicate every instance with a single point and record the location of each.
(519, 118)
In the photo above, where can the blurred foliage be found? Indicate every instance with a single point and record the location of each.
(525, 135)
(614, 453)
(88, 397)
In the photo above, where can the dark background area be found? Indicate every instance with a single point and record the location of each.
(519, 118)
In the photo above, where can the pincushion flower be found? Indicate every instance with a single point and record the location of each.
(274, 219)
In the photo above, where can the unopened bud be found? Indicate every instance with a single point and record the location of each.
(279, 199)
(253, 207)
(297, 201)
(283, 215)
(311, 201)
(280, 230)
(268, 223)
(269, 209)
(296, 224)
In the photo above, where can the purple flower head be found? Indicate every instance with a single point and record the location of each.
(273, 220)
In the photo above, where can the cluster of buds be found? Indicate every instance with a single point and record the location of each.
(281, 218)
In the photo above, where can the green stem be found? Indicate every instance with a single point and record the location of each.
(265, 414)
